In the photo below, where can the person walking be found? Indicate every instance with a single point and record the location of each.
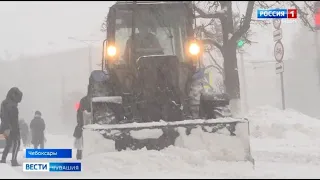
(10, 124)
(77, 134)
(37, 127)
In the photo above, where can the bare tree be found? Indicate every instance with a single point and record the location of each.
(104, 25)
(225, 28)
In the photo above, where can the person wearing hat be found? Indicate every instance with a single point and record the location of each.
(10, 124)
(37, 127)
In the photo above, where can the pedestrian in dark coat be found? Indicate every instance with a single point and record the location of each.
(10, 124)
(37, 127)
(84, 106)
(24, 131)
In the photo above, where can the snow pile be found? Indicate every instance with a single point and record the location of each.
(220, 145)
(95, 143)
(269, 122)
(285, 144)
(285, 137)
(172, 162)
(7, 172)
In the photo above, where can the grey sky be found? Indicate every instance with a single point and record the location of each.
(42, 27)
(30, 27)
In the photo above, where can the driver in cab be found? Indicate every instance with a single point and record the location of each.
(145, 43)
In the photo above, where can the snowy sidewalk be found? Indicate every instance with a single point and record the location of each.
(284, 145)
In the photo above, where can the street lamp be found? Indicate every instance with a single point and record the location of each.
(89, 44)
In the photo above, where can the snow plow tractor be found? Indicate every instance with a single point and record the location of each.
(150, 59)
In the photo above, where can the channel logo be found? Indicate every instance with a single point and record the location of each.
(38, 167)
(277, 13)
(52, 167)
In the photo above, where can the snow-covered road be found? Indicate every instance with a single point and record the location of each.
(284, 145)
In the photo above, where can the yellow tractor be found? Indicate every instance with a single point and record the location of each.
(142, 96)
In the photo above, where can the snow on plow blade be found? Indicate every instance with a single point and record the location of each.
(226, 139)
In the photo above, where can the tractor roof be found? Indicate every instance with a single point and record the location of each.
(152, 2)
(129, 4)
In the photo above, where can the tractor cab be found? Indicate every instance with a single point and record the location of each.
(159, 29)
(143, 34)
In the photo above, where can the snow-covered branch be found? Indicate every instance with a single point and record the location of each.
(303, 15)
(202, 14)
(216, 64)
(246, 23)
(210, 38)
(213, 42)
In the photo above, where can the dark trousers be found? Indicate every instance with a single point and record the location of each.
(14, 143)
(24, 140)
(35, 146)
(79, 154)
(38, 140)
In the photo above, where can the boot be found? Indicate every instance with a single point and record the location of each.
(15, 150)
(15, 163)
(3, 161)
(4, 158)
(5, 154)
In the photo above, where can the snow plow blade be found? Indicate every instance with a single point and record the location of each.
(226, 139)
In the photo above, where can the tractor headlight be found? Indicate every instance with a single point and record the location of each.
(194, 49)
(111, 51)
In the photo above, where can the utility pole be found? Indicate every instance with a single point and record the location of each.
(278, 53)
(90, 58)
(242, 78)
(61, 76)
(244, 86)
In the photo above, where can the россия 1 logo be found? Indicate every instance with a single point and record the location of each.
(277, 14)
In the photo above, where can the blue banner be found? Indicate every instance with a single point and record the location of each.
(48, 153)
(65, 167)
(272, 13)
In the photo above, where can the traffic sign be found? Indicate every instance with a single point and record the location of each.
(278, 51)
(276, 23)
(277, 35)
(279, 67)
